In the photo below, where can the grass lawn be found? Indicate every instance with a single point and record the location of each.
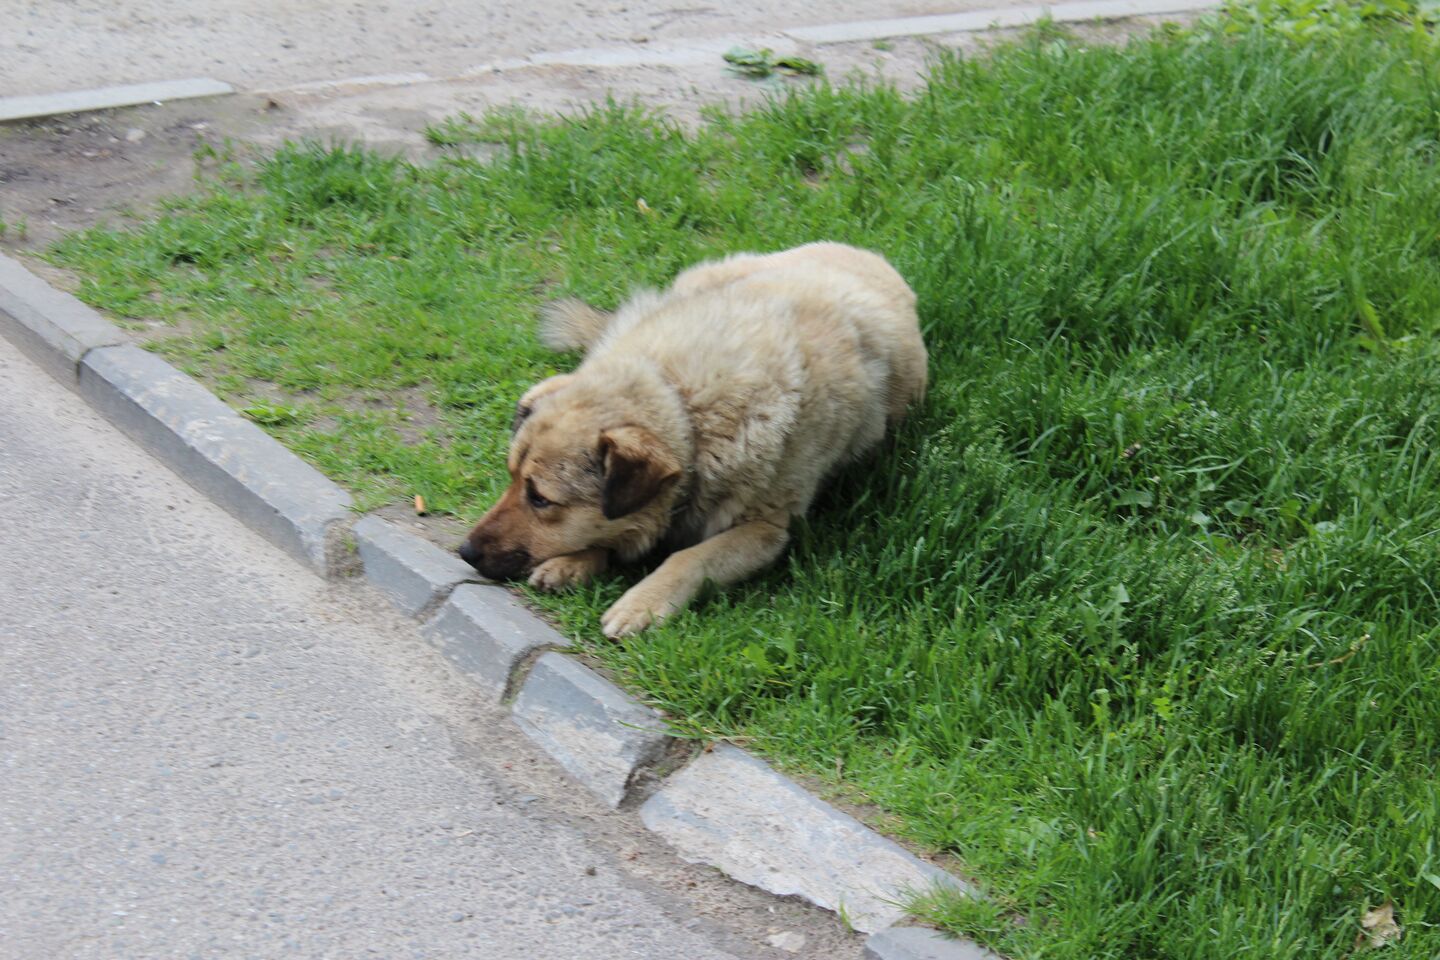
(1137, 616)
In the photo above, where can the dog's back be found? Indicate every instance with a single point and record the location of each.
(848, 284)
(883, 304)
(789, 364)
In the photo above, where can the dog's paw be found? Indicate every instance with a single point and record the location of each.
(619, 621)
(564, 572)
(637, 609)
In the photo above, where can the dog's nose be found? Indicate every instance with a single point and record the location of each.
(495, 564)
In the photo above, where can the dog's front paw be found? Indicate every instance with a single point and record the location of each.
(622, 620)
(641, 606)
(564, 572)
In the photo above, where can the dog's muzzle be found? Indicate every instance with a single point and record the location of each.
(496, 564)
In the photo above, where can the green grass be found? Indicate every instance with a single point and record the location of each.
(1137, 616)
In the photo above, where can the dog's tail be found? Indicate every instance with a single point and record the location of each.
(571, 324)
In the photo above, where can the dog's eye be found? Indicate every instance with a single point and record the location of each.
(533, 495)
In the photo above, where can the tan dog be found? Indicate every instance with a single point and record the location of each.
(705, 417)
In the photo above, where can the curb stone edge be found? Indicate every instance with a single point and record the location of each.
(922, 943)
(34, 107)
(490, 637)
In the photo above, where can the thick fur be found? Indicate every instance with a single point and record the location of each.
(703, 417)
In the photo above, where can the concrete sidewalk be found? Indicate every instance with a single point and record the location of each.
(208, 751)
(46, 47)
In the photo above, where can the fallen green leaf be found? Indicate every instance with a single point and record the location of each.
(762, 63)
(750, 63)
(271, 415)
(800, 65)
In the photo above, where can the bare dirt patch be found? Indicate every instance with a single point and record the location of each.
(71, 172)
(443, 531)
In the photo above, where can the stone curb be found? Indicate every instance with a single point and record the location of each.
(103, 98)
(214, 449)
(601, 736)
(221, 454)
(734, 812)
(726, 808)
(416, 575)
(49, 326)
(608, 742)
(490, 636)
(919, 943)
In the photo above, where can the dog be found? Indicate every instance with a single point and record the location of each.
(702, 419)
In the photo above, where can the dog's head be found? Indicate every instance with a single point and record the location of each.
(576, 481)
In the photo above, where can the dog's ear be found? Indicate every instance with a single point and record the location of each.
(522, 410)
(637, 469)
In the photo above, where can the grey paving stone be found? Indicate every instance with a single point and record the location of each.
(50, 326)
(488, 634)
(101, 98)
(224, 456)
(599, 734)
(918, 943)
(412, 572)
(1080, 11)
(730, 810)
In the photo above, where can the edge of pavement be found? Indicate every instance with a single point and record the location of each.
(720, 806)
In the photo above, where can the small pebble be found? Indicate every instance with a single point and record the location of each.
(789, 941)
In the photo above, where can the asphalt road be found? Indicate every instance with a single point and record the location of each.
(206, 751)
